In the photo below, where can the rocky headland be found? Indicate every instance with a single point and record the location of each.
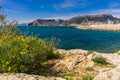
(95, 22)
(75, 64)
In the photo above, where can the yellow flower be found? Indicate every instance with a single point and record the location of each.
(23, 39)
(26, 46)
(22, 53)
(9, 68)
(1, 40)
(13, 56)
(7, 63)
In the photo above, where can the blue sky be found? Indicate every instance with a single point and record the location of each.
(29, 10)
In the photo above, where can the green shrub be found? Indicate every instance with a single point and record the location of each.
(90, 52)
(87, 77)
(89, 69)
(100, 60)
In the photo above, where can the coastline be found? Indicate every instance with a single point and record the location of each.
(106, 27)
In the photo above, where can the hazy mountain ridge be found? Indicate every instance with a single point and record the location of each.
(83, 19)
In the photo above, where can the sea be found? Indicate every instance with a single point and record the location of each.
(72, 38)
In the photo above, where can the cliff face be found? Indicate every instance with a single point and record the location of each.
(84, 19)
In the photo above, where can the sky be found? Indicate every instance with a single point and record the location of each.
(28, 10)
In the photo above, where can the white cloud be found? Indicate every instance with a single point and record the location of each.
(68, 3)
(59, 17)
(71, 3)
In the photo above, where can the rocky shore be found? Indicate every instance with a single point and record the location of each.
(108, 27)
(75, 64)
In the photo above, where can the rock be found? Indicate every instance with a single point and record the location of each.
(23, 76)
(89, 64)
(71, 59)
(113, 74)
(90, 56)
(112, 58)
(74, 62)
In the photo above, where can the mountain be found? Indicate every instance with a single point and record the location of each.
(47, 22)
(83, 19)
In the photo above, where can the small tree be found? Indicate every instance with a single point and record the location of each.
(7, 27)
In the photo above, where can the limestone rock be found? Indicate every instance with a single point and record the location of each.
(113, 74)
(23, 76)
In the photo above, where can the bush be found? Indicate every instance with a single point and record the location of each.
(100, 60)
(19, 53)
(24, 54)
(89, 69)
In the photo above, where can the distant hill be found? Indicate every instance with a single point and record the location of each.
(83, 19)
(23, 24)
(47, 22)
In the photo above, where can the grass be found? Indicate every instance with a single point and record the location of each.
(68, 76)
(89, 69)
(87, 77)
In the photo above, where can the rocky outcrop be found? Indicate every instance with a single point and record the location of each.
(83, 19)
(22, 76)
(113, 74)
(72, 65)
(76, 61)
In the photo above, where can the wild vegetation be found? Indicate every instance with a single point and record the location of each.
(87, 77)
(100, 60)
(19, 53)
(90, 69)
(118, 52)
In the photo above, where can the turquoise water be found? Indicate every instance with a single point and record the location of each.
(72, 38)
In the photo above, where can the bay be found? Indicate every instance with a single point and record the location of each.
(73, 38)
